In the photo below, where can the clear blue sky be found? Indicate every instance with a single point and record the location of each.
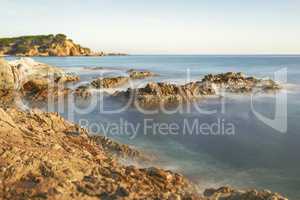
(161, 26)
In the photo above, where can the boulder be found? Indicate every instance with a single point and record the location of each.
(67, 78)
(83, 91)
(30, 70)
(136, 74)
(110, 82)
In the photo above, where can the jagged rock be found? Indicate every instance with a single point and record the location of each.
(41, 90)
(7, 83)
(32, 79)
(136, 74)
(28, 69)
(83, 91)
(67, 78)
(228, 193)
(155, 93)
(42, 157)
(239, 83)
(110, 82)
(120, 150)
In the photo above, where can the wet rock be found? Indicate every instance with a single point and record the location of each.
(239, 83)
(136, 74)
(67, 79)
(110, 82)
(41, 90)
(156, 93)
(83, 91)
(228, 193)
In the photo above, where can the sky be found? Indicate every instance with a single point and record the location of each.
(161, 26)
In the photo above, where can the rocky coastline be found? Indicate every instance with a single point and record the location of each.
(43, 156)
(46, 45)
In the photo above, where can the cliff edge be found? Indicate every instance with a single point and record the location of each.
(42, 45)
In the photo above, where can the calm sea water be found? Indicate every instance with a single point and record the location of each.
(256, 156)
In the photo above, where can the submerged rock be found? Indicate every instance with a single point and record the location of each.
(228, 193)
(109, 82)
(136, 74)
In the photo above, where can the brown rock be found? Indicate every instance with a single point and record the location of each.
(239, 83)
(83, 91)
(155, 93)
(136, 74)
(41, 159)
(228, 193)
(40, 90)
(110, 82)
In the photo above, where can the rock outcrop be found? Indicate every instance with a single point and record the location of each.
(42, 45)
(28, 69)
(8, 83)
(42, 90)
(156, 93)
(239, 83)
(163, 93)
(36, 81)
(42, 156)
(83, 92)
(45, 157)
(228, 193)
(137, 74)
(110, 82)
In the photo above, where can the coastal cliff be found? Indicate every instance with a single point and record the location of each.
(45, 45)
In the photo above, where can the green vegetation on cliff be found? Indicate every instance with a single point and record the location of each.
(41, 45)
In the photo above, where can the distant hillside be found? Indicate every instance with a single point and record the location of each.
(42, 45)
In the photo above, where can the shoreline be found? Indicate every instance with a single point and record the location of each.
(54, 145)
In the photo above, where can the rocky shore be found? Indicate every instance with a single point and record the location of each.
(163, 93)
(43, 156)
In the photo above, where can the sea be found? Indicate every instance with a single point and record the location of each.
(242, 140)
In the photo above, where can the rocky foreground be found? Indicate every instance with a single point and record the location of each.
(43, 156)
